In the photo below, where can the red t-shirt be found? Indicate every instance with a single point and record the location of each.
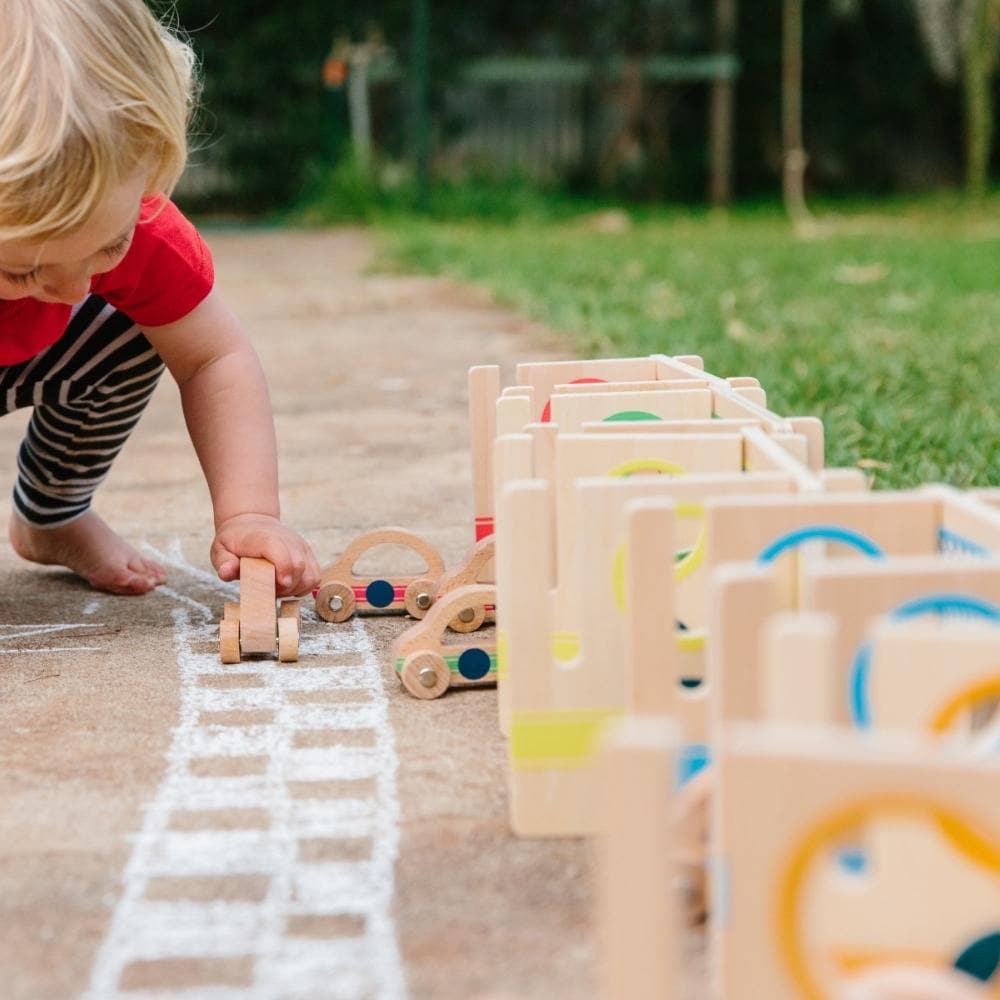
(166, 272)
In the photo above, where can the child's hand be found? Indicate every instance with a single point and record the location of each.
(257, 535)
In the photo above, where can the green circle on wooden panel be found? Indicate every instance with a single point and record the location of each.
(630, 416)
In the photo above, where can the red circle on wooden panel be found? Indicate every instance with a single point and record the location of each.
(547, 412)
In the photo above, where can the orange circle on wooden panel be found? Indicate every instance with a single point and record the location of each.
(982, 849)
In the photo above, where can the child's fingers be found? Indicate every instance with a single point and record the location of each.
(296, 573)
(291, 560)
(228, 569)
(295, 568)
(226, 562)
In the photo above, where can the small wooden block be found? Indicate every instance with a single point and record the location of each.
(258, 633)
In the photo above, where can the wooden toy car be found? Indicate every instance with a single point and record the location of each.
(252, 625)
(427, 667)
(341, 592)
(473, 570)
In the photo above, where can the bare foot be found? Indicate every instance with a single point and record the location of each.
(89, 548)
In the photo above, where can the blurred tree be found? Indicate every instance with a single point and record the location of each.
(877, 118)
(964, 36)
(263, 102)
(793, 151)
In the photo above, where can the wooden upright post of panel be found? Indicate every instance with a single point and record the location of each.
(484, 390)
(257, 604)
(652, 682)
(638, 919)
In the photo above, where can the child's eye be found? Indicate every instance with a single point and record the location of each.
(117, 249)
(20, 279)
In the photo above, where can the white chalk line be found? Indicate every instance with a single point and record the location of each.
(52, 649)
(35, 631)
(286, 966)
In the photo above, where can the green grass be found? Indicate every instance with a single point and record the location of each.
(887, 326)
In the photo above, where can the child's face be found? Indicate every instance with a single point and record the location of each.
(60, 269)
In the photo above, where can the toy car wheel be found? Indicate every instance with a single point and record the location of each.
(468, 620)
(335, 602)
(229, 640)
(425, 675)
(419, 597)
(288, 640)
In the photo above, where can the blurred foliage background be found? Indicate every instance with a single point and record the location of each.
(878, 314)
(882, 112)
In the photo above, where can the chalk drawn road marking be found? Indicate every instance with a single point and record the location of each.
(264, 866)
(83, 630)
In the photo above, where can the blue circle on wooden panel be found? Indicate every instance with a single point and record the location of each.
(819, 532)
(474, 664)
(693, 757)
(379, 593)
(965, 604)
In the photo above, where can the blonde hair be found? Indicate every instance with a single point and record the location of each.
(92, 91)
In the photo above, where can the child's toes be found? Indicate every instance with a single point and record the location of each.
(120, 580)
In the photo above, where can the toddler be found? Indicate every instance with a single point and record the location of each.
(103, 283)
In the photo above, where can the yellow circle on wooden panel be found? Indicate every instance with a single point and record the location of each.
(682, 569)
(650, 466)
(565, 646)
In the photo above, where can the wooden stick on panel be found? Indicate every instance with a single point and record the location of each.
(727, 401)
(752, 394)
(730, 403)
(571, 388)
(711, 426)
(763, 452)
(682, 366)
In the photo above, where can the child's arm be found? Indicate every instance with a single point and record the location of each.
(228, 414)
